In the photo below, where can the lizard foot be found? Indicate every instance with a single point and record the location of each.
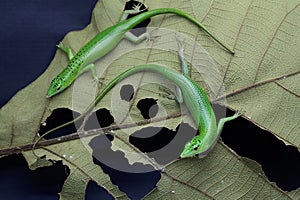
(99, 82)
(167, 93)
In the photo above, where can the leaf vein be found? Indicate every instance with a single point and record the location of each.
(271, 41)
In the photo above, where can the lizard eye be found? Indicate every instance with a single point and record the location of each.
(58, 87)
(196, 148)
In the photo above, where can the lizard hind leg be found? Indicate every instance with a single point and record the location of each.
(184, 64)
(167, 93)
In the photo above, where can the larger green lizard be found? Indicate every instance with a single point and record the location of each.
(189, 92)
(107, 40)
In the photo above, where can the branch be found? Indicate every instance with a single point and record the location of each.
(82, 134)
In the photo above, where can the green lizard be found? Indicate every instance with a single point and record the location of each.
(107, 40)
(187, 91)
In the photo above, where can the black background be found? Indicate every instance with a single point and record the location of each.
(29, 31)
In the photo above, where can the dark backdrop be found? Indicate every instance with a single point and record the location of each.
(29, 31)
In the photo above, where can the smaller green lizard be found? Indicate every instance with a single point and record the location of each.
(187, 91)
(107, 40)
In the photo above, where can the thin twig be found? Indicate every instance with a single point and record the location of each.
(82, 134)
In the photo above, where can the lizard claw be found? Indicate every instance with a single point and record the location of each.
(150, 37)
(166, 93)
(60, 45)
(239, 113)
(137, 7)
(180, 43)
(98, 81)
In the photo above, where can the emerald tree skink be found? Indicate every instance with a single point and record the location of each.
(188, 92)
(107, 40)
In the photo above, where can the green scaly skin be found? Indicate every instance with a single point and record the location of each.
(104, 42)
(195, 99)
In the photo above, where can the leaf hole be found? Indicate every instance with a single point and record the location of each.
(57, 118)
(94, 191)
(161, 143)
(148, 107)
(127, 92)
(141, 27)
(133, 184)
(280, 162)
(99, 119)
(42, 182)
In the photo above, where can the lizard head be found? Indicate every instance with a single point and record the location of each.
(192, 148)
(56, 86)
